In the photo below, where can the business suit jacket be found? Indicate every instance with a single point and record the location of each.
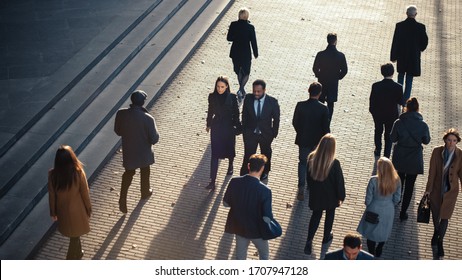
(444, 204)
(242, 34)
(409, 40)
(139, 132)
(311, 122)
(385, 97)
(329, 67)
(338, 255)
(268, 123)
(249, 200)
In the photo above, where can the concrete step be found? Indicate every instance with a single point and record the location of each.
(91, 133)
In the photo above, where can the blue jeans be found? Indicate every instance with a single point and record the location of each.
(408, 86)
(303, 153)
(242, 244)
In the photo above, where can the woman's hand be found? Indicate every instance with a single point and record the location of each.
(340, 203)
(54, 218)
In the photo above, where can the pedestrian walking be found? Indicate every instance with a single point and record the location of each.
(408, 133)
(224, 124)
(242, 34)
(352, 250)
(139, 132)
(382, 195)
(409, 41)
(443, 186)
(69, 199)
(329, 67)
(326, 189)
(250, 208)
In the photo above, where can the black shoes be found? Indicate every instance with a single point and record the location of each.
(308, 247)
(147, 194)
(211, 186)
(403, 216)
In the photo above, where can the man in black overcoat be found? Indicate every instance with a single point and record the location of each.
(311, 122)
(329, 67)
(409, 40)
(386, 96)
(260, 124)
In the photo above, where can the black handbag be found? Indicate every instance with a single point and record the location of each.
(423, 211)
(271, 230)
(371, 217)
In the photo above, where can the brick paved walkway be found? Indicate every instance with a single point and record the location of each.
(183, 221)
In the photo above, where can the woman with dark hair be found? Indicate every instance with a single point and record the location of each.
(444, 177)
(69, 199)
(409, 132)
(382, 194)
(223, 121)
(324, 177)
(242, 34)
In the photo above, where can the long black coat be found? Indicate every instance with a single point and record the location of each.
(325, 195)
(409, 132)
(385, 97)
(242, 34)
(311, 122)
(223, 120)
(329, 67)
(409, 40)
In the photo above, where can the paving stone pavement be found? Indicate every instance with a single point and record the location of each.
(184, 221)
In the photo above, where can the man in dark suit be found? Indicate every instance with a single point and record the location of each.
(250, 202)
(409, 40)
(329, 67)
(260, 124)
(311, 122)
(242, 34)
(384, 100)
(351, 250)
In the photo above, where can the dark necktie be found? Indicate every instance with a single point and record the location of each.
(257, 129)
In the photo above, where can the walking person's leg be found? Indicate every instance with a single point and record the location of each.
(127, 178)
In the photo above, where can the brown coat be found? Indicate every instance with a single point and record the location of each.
(72, 207)
(435, 179)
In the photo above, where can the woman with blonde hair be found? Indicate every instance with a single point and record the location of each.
(69, 199)
(382, 194)
(327, 190)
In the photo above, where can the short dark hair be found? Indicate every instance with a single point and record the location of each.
(315, 89)
(452, 131)
(259, 82)
(387, 69)
(331, 38)
(352, 240)
(256, 162)
(412, 105)
(138, 97)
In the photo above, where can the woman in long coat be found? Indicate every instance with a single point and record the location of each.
(327, 190)
(242, 34)
(69, 199)
(444, 177)
(223, 121)
(409, 132)
(382, 194)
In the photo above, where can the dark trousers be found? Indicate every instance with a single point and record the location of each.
(314, 224)
(251, 142)
(74, 252)
(407, 185)
(440, 227)
(376, 251)
(380, 124)
(407, 86)
(127, 178)
(214, 167)
(303, 153)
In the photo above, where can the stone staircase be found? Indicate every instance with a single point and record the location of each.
(144, 54)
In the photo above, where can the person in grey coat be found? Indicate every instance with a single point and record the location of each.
(139, 132)
(382, 194)
(409, 132)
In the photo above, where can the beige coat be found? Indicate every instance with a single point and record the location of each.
(72, 207)
(447, 203)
